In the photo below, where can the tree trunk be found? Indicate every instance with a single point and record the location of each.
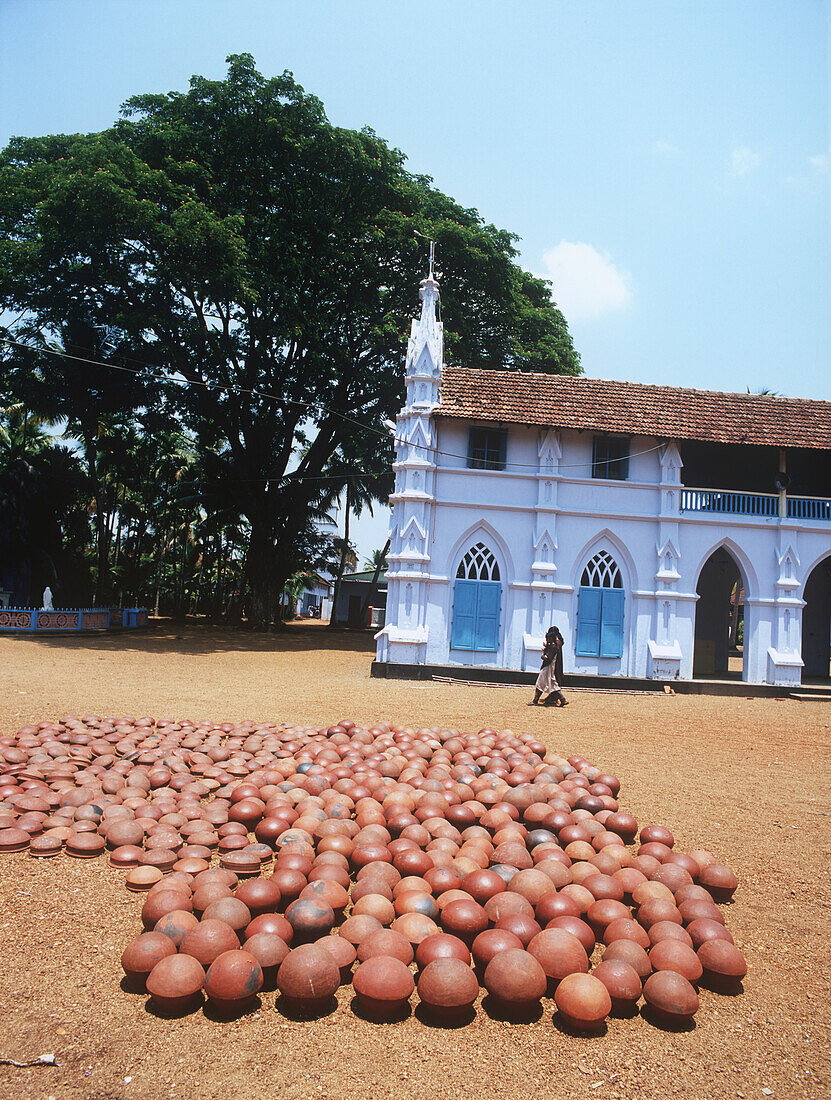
(373, 588)
(261, 573)
(333, 621)
(98, 506)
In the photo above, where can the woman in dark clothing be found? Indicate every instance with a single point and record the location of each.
(557, 698)
(547, 679)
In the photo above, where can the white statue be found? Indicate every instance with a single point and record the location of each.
(47, 599)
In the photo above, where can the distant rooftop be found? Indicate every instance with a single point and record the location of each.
(365, 576)
(630, 408)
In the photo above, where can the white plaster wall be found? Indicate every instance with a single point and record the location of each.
(500, 509)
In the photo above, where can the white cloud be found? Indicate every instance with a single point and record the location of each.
(586, 282)
(667, 149)
(742, 161)
(821, 162)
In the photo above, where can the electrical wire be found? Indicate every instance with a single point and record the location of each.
(312, 405)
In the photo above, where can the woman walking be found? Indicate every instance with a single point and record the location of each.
(547, 679)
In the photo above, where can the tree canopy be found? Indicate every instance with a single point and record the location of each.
(259, 267)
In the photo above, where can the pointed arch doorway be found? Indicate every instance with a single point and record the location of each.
(719, 644)
(816, 623)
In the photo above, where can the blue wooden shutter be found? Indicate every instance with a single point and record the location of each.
(487, 615)
(464, 615)
(611, 623)
(588, 622)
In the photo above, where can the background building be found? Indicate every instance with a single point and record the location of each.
(638, 519)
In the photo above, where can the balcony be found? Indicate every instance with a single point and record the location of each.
(728, 502)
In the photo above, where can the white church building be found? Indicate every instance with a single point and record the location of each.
(669, 533)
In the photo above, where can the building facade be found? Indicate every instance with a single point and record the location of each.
(668, 533)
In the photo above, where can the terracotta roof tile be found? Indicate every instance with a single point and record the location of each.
(668, 412)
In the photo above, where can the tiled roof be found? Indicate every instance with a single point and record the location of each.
(668, 412)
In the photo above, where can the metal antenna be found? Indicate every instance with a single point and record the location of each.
(432, 250)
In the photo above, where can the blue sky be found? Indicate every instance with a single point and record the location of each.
(667, 163)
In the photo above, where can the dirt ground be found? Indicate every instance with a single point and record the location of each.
(746, 778)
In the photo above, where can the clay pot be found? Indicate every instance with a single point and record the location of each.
(208, 941)
(141, 955)
(448, 988)
(671, 954)
(308, 977)
(175, 984)
(723, 963)
(515, 980)
(583, 1001)
(622, 983)
(233, 979)
(559, 953)
(671, 997)
(383, 986)
(343, 952)
(385, 941)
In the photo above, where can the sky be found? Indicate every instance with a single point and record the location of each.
(667, 164)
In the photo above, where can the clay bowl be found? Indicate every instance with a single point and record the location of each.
(703, 929)
(203, 896)
(141, 955)
(269, 951)
(176, 925)
(724, 965)
(441, 945)
(175, 984)
(140, 879)
(489, 944)
(626, 928)
(308, 978)
(383, 987)
(233, 980)
(465, 919)
(515, 981)
(386, 941)
(310, 918)
(416, 927)
(343, 952)
(161, 902)
(559, 953)
(232, 912)
(260, 895)
(622, 983)
(578, 928)
(671, 998)
(521, 925)
(447, 989)
(208, 940)
(673, 955)
(719, 881)
(631, 953)
(583, 1002)
(374, 905)
(45, 847)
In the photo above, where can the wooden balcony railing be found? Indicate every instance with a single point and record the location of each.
(809, 508)
(728, 502)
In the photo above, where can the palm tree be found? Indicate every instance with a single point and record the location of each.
(378, 558)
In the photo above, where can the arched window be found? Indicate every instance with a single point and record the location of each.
(601, 572)
(478, 564)
(600, 608)
(477, 601)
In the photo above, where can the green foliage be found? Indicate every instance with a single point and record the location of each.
(236, 241)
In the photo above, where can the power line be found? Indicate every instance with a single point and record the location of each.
(241, 390)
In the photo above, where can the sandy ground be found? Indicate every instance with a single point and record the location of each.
(745, 778)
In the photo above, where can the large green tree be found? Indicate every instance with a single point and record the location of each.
(263, 263)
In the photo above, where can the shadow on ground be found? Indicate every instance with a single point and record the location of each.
(194, 637)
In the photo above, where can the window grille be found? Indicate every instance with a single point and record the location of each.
(478, 564)
(601, 572)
